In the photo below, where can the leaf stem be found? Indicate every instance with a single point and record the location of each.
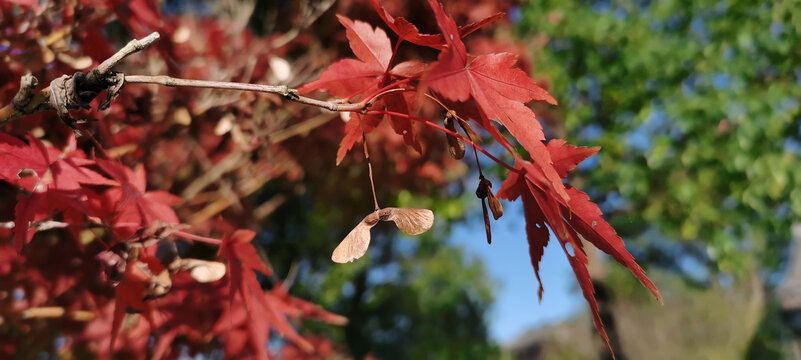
(369, 165)
(368, 99)
(198, 238)
(430, 124)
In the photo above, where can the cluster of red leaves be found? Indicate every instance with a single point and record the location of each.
(485, 89)
(65, 185)
(116, 222)
(95, 278)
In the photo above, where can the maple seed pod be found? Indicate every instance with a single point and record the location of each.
(455, 145)
(484, 188)
(201, 270)
(495, 206)
(410, 221)
(486, 221)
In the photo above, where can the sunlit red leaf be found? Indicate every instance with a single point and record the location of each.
(350, 76)
(566, 157)
(500, 89)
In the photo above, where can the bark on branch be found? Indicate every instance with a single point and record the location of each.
(77, 90)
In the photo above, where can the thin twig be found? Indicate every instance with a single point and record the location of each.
(39, 226)
(301, 128)
(291, 276)
(130, 48)
(286, 92)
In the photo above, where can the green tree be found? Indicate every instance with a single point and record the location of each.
(696, 105)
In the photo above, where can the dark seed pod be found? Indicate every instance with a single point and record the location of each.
(495, 206)
(486, 221)
(455, 145)
(484, 188)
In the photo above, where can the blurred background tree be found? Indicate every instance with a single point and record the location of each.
(241, 160)
(696, 106)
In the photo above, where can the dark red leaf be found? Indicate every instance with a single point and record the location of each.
(579, 217)
(585, 218)
(408, 31)
(129, 206)
(353, 133)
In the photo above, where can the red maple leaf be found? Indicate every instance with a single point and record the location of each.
(348, 78)
(566, 157)
(50, 178)
(253, 312)
(129, 206)
(132, 292)
(408, 31)
(500, 90)
(579, 217)
(242, 260)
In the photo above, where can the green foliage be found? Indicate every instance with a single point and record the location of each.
(696, 106)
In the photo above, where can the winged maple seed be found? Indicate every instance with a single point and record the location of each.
(455, 145)
(410, 221)
(483, 192)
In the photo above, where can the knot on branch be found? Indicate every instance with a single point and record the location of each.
(77, 91)
(24, 95)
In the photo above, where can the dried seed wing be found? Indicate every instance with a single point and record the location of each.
(410, 221)
(495, 205)
(355, 244)
(471, 134)
(486, 221)
(204, 271)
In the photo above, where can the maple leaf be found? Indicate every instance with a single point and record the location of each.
(500, 89)
(354, 129)
(242, 261)
(566, 157)
(50, 177)
(144, 278)
(409, 32)
(570, 223)
(130, 206)
(349, 77)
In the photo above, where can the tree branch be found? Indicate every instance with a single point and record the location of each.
(25, 102)
(285, 91)
(130, 48)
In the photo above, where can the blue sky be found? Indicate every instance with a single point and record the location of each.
(516, 307)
